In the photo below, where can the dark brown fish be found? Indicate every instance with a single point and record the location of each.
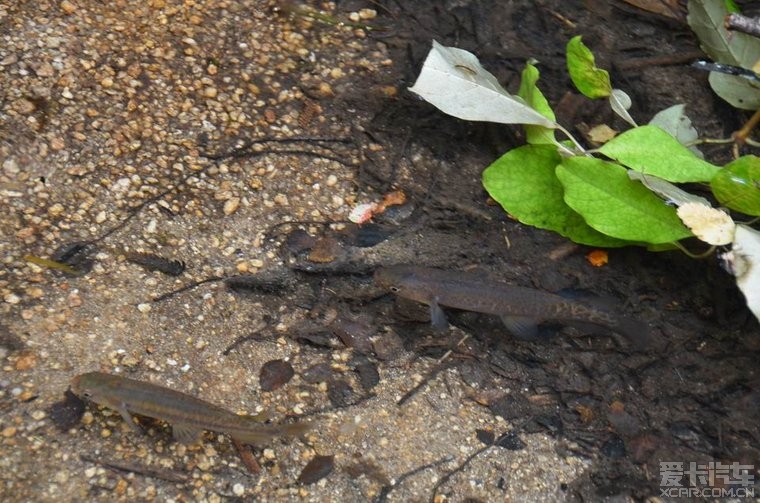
(520, 308)
(187, 414)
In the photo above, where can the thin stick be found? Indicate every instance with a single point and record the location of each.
(744, 24)
(123, 466)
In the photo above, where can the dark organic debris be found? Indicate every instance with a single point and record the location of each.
(298, 241)
(321, 372)
(354, 334)
(67, 413)
(246, 456)
(510, 441)
(369, 469)
(316, 469)
(614, 448)
(325, 250)
(369, 377)
(340, 393)
(486, 437)
(153, 262)
(275, 374)
(9, 340)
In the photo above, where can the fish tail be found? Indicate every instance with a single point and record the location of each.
(636, 331)
(262, 433)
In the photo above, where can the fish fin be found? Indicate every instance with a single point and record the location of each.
(127, 417)
(438, 317)
(636, 331)
(521, 327)
(186, 434)
(262, 433)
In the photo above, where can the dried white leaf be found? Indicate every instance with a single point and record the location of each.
(666, 190)
(674, 121)
(453, 81)
(620, 103)
(744, 262)
(711, 225)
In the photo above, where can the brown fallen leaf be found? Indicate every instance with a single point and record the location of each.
(668, 8)
(316, 469)
(274, 374)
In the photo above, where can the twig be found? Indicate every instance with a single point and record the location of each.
(123, 466)
(386, 490)
(429, 377)
(664, 60)
(187, 287)
(458, 469)
(744, 24)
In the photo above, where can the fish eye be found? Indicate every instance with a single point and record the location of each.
(86, 394)
(395, 289)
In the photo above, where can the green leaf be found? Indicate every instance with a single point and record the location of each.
(737, 185)
(737, 91)
(523, 182)
(591, 81)
(732, 7)
(653, 151)
(731, 48)
(615, 205)
(532, 95)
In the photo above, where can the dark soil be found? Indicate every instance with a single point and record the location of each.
(695, 396)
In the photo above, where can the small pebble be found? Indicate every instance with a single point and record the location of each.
(231, 205)
(238, 489)
(144, 308)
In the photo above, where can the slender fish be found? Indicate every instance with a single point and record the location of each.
(188, 415)
(520, 308)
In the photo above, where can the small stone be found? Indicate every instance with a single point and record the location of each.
(57, 144)
(269, 454)
(210, 92)
(281, 199)
(11, 298)
(55, 210)
(144, 308)
(331, 180)
(38, 415)
(231, 205)
(9, 432)
(68, 7)
(66, 93)
(238, 490)
(45, 70)
(75, 300)
(212, 69)
(35, 292)
(367, 14)
(26, 361)
(107, 82)
(100, 217)
(105, 433)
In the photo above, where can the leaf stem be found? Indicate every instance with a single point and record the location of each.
(702, 255)
(570, 137)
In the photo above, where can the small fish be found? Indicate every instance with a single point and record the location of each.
(51, 264)
(188, 415)
(158, 263)
(520, 308)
